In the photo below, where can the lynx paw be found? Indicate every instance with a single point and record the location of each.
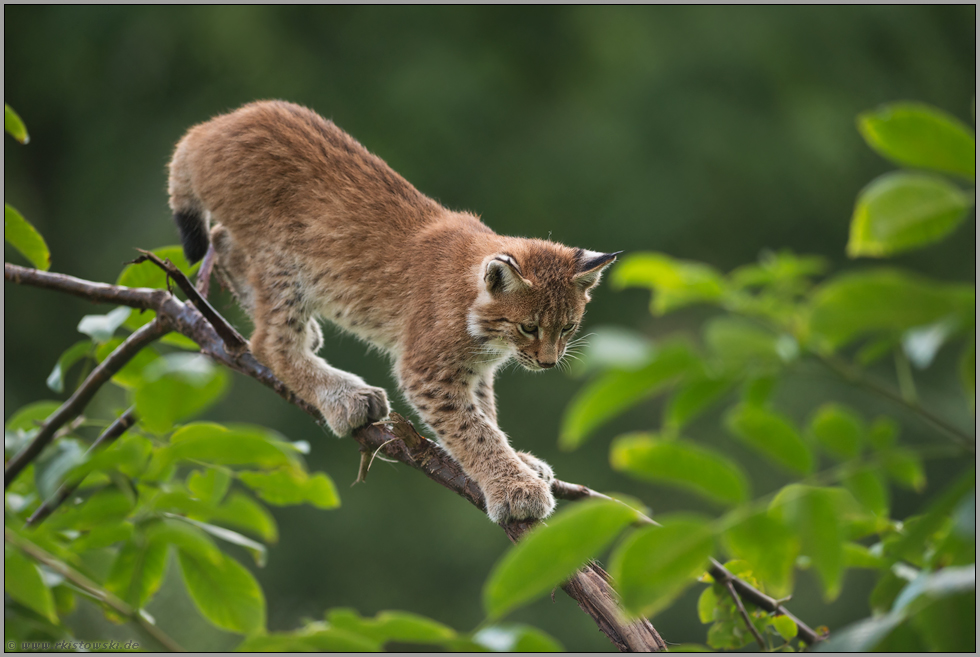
(353, 406)
(519, 498)
(542, 469)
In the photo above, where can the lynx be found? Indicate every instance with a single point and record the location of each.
(307, 224)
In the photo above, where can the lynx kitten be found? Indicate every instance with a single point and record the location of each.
(308, 224)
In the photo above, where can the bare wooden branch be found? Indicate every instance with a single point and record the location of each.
(90, 588)
(109, 436)
(81, 397)
(744, 614)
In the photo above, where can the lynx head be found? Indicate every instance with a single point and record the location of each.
(531, 300)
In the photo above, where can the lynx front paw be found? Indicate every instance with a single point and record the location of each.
(540, 467)
(354, 406)
(519, 498)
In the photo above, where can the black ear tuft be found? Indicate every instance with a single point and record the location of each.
(590, 260)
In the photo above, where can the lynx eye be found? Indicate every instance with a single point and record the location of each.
(530, 330)
(566, 329)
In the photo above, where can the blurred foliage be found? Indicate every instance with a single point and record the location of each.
(710, 134)
(775, 316)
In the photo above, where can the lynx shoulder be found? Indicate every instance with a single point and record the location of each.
(306, 224)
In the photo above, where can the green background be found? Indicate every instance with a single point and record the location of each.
(709, 133)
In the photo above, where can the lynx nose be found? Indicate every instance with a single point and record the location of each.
(546, 365)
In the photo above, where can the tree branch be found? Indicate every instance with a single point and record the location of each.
(90, 587)
(109, 436)
(744, 614)
(81, 397)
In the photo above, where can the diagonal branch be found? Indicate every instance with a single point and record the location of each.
(90, 588)
(727, 582)
(81, 397)
(109, 436)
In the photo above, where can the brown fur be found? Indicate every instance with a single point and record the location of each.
(308, 223)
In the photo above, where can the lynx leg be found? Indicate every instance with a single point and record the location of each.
(232, 266)
(283, 340)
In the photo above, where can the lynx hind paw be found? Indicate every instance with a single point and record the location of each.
(519, 499)
(541, 468)
(355, 407)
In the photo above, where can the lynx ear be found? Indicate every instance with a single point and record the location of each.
(590, 267)
(502, 275)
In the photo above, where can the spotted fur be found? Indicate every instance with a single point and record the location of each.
(307, 224)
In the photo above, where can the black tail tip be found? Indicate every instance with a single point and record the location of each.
(193, 234)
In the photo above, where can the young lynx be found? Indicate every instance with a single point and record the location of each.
(308, 224)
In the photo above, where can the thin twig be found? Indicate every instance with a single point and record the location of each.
(854, 376)
(727, 582)
(75, 404)
(90, 587)
(232, 338)
(109, 436)
(134, 297)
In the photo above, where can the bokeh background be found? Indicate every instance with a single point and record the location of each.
(709, 133)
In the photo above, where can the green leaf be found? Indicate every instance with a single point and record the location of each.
(707, 602)
(900, 211)
(210, 485)
(741, 345)
(883, 433)
(783, 270)
(74, 353)
(31, 416)
(904, 467)
(676, 283)
(654, 565)
(108, 505)
(128, 455)
(186, 536)
(131, 374)
(912, 543)
(241, 511)
(13, 125)
(103, 536)
(225, 592)
(177, 386)
(612, 347)
(691, 399)
(875, 300)
(869, 488)
(257, 550)
(137, 572)
(838, 429)
(215, 444)
(516, 638)
(768, 546)
(785, 626)
(550, 553)
(816, 514)
(24, 237)
(772, 435)
(289, 486)
(921, 136)
(400, 626)
(859, 556)
(101, 327)
(324, 639)
(682, 464)
(618, 390)
(55, 462)
(22, 582)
